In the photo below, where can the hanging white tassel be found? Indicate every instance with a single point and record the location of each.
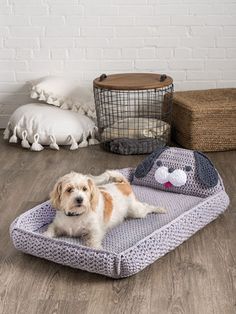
(74, 144)
(84, 142)
(53, 144)
(6, 133)
(42, 96)
(13, 138)
(93, 140)
(34, 95)
(36, 146)
(24, 142)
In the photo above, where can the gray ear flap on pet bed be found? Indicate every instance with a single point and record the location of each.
(143, 169)
(205, 170)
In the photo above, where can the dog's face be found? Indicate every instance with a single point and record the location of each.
(74, 194)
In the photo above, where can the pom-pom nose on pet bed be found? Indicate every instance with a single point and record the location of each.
(183, 181)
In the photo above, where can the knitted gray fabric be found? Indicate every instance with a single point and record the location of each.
(206, 172)
(202, 177)
(146, 165)
(127, 146)
(129, 247)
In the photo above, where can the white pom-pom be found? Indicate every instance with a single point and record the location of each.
(84, 142)
(24, 142)
(34, 95)
(93, 141)
(6, 133)
(74, 144)
(178, 177)
(13, 138)
(53, 144)
(161, 175)
(36, 146)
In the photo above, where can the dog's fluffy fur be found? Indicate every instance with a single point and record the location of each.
(88, 206)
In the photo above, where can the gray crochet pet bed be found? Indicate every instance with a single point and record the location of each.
(183, 181)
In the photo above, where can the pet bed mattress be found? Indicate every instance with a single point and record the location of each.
(129, 247)
(185, 182)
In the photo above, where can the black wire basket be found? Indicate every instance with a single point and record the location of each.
(133, 111)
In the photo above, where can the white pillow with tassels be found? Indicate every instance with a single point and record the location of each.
(40, 124)
(64, 93)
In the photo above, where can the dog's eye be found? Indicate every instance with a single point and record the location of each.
(85, 188)
(69, 190)
(158, 163)
(188, 168)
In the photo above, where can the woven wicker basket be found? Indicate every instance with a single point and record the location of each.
(205, 120)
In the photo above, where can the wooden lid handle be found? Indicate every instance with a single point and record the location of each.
(102, 77)
(163, 77)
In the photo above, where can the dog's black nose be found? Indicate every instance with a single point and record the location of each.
(171, 170)
(79, 200)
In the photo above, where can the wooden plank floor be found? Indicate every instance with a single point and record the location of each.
(198, 277)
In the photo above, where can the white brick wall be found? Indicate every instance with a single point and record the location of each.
(192, 40)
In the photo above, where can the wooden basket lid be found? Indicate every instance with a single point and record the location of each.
(133, 81)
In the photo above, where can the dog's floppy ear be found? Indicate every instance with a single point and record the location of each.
(143, 169)
(205, 170)
(55, 195)
(94, 194)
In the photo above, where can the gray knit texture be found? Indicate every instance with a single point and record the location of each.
(202, 172)
(129, 247)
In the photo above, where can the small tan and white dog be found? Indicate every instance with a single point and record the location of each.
(88, 206)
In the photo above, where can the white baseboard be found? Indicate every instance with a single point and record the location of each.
(3, 121)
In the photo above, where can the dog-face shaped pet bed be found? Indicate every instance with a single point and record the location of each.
(184, 182)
